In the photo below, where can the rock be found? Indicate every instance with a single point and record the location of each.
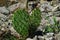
(42, 24)
(13, 0)
(3, 17)
(13, 7)
(16, 6)
(41, 37)
(50, 34)
(3, 25)
(46, 5)
(29, 39)
(49, 38)
(2, 29)
(58, 18)
(10, 23)
(14, 33)
(35, 38)
(4, 10)
(58, 36)
(57, 13)
(22, 5)
(55, 8)
(1, 22)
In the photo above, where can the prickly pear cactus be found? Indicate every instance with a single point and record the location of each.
(20, 22)
(25, 24)
(35, 19)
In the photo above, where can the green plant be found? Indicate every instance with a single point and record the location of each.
(48, 29)
(55, 28)
(20, 22)
(35, 19)
(25, 24)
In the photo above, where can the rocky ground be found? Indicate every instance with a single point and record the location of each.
(47, 9)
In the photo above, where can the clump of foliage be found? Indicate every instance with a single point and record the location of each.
(55, 26)
(20, 22)
(48, 29)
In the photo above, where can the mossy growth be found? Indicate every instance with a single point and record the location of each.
(20, 22)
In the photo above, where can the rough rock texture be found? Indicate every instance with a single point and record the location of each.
(4, 10)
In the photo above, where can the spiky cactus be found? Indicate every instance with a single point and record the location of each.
(35, 19)
(20, 22)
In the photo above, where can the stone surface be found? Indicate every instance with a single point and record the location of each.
(13, 7)
(58, 36)
(4, 10)
(29, 39)
(41, 37)
(46, 6)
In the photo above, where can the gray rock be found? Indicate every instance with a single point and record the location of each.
(57, 36)
(41, 37)
(13, 7)
(44, 5)
(35, 38)
(29, 39)
(57, 13)
(1, 22)
(3, 17)
(10, 23)
(4, 10)
(16, 6)
(49, 38)
(50, 34)
(22, 5)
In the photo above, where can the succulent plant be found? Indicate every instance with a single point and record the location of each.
(20, 22)
(35, 19)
